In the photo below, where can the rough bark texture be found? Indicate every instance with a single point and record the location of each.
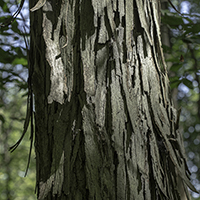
(105, 126)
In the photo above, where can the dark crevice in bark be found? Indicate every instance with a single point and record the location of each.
(80, 169)
(78, 85)
(97, 34)
(169, 115)
(155, 36)
(107, 24)
(116, 17)
(138, 30)
(163, 90)
(140, 74)
(127, 187)
(151, 178)
(144, 189)
(144, 44)
(108, 109)
(124, 47)
(133, 78)
(115, 162)
(139, 178)
(86, 20)
(127, 183)
(97, 46)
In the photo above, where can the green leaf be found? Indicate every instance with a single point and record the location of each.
(193, 39)
(6, 56)
(21, 61)
(172, 20)
(174, 82)
(4, 6)
(175, 67)
(195, 28)
(15, 26)
(187, 83)
(2, 118)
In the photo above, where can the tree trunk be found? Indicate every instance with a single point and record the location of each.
(105, 126)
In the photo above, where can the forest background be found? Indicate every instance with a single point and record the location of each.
(181, 44)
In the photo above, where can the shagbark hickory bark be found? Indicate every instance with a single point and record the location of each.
(105, 126)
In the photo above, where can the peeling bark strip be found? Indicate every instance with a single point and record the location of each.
(105, 126)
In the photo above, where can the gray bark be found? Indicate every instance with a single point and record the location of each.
(105, 126)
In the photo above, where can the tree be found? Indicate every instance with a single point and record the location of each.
(105, 127)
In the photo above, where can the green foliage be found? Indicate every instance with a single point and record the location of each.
(183, 57)
(13, 183)
(13, 93)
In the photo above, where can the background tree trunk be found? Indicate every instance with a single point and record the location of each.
(105, 126)
(165, 37)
